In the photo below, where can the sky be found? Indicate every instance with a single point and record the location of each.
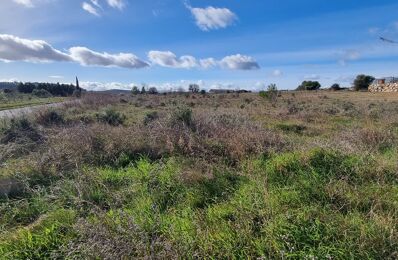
(170, 44)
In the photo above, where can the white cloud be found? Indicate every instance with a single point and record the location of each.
(9, 80)
(208, 63)
(277, 73)
(169, 59)
(99, 86)
(211, 18)
(26, 3)
(119, 4)
(56, 77)
(96, 3)
(259, 85)
(88, 57)
(13, 48)
(348, 55)
(239, 62)
(234, 62)
(90, 8)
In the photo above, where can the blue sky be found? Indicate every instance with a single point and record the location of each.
(220, 43)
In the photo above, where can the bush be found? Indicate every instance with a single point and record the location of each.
(271, 93)
(309, 85)
(42, 93)
(183, 115)
(194, 88)
(111, 117)
(49, 117)
(20, 131)
(135, 91)
(151, 116)
(335, 87)
(362, 82)
(152, 91)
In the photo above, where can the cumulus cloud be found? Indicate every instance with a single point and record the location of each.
(26, 3)
(239, 62)
(90, 8)
(208, 63)
(119, 4)
(234, 62)
(13, 48)
(169, 59)
(211, 18)
(88, 57)
(99, 86)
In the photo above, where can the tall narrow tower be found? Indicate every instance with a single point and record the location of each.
(77, 83)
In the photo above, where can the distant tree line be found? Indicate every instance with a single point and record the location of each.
(8, 85)
(54, 89)
(194, 88)
(361, 82)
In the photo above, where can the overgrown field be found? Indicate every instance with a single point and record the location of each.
(308, 175)
(18, 100)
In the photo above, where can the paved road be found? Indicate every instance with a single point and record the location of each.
(27, 110)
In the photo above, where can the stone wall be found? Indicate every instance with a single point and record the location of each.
(389, 87)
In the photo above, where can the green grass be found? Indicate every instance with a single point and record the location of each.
(329, 191)
(290, 205)
(26, 101)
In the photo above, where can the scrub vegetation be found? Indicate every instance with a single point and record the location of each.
(301, 175)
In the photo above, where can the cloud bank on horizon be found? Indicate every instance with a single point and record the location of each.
(226, 43)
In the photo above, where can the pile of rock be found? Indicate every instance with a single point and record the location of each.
(388, 87)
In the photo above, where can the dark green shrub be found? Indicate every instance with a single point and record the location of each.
(151, 116)
(335, 87)
(49, 117)
(42, 93)
(20, 131)
(111, 117)
(293, 128)
(183, 115)
(309, 85)
(362, 82)
(271, 93)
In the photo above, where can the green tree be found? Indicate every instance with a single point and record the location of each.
(309, 85)
(271, 93)
(143, 90)
(335, 87)
(152, 90)
(135, 90)
(194, 88)
(362, 82)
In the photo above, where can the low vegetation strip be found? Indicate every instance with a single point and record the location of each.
(299, 175)
(29, 103)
